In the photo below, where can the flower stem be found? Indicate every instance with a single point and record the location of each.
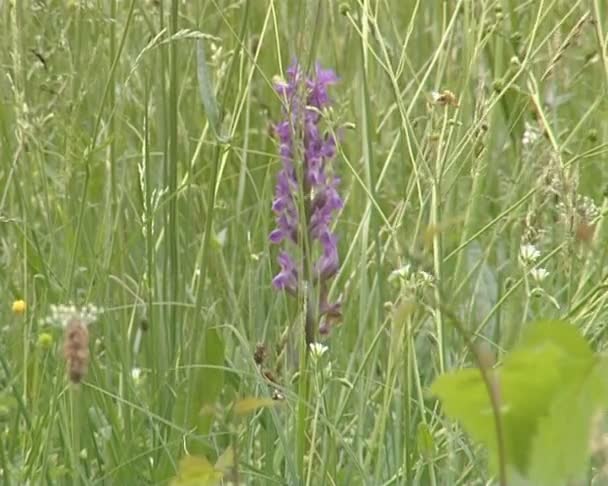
(302, 413)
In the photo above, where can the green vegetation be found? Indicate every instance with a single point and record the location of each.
(138, 164)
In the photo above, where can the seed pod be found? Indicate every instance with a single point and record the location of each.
(76, 349)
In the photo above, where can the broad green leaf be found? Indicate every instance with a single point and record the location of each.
(565, 336)
(551, 358)
(196, 471)
(551, 354)
(464, 397)
(251, 404)
(560, 449)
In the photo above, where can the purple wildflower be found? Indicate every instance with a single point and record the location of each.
(303, 141)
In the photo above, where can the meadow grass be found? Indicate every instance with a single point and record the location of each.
(138, 173)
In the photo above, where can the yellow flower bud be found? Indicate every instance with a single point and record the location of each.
(45, 340)
(19, 307)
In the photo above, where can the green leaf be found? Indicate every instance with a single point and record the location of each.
(196, 471)
(560, 450)
(564, 335)
(464, 398)
(251, 404)
(551, 370)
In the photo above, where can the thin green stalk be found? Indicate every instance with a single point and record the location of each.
(312, 452)
(173, 229)
(302, 414)
(370, 172)
(436, 202)
(421, 404)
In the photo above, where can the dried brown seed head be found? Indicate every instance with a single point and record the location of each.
(76, 349)
(259, 355)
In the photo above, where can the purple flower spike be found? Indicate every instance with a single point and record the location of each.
(306, 151)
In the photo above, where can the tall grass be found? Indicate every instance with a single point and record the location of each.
(467, 129)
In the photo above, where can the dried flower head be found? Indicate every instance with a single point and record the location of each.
(259, 355)
(445, 98)
(76, 349)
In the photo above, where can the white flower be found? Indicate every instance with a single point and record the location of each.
(402, 272)
(318, 349)
(136, 374)
(425, 277)
(588, 208)
(528, 253)
(539, 274)
(530, 135)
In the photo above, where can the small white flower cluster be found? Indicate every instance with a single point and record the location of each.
(61, 314)
(405, 275)
(530, 135)
(587, 208)
(323, 368)
(539, 274)
(317, 350)
(528, 256)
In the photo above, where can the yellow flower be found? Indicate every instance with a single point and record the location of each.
(19, 307)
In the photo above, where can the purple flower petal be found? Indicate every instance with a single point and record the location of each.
(327, 266)
(287, 278)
